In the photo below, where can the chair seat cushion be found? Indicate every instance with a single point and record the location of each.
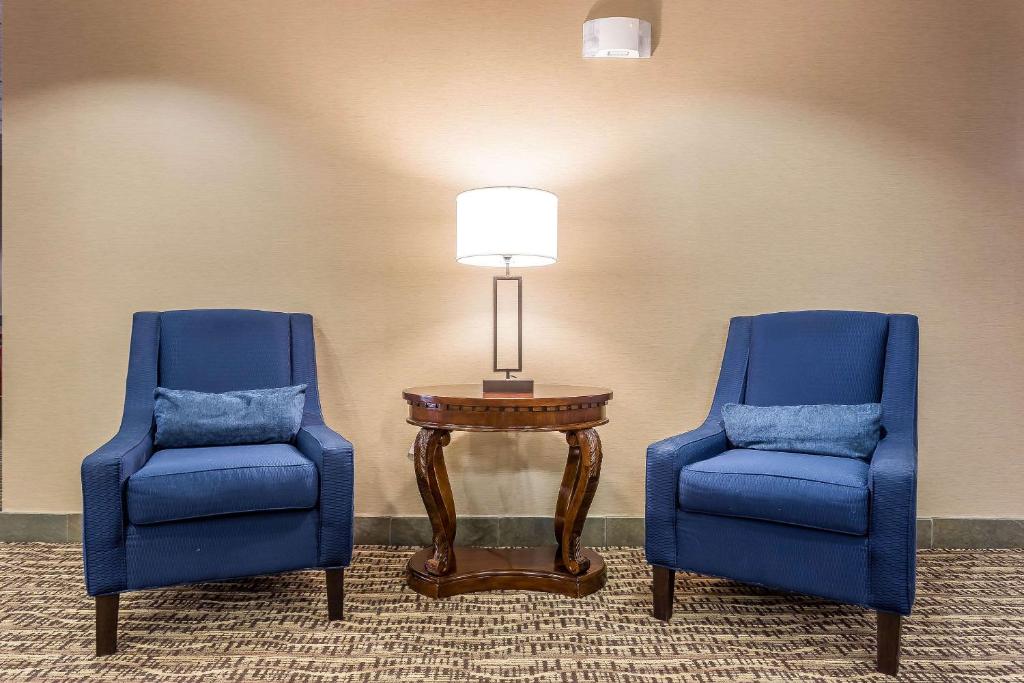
(819, 491)
(185, 483)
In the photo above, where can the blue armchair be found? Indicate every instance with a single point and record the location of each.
(206, 517)
(838, 528)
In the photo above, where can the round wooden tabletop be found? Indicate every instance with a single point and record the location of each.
(465, 407)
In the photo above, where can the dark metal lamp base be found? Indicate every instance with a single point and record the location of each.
(508, 386)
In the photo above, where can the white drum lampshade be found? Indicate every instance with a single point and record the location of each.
(506, 226)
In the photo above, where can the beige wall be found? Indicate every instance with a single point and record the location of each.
(305, 156)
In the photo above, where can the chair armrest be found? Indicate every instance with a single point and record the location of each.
(664, 461)
(334, 459)
(104, 474)
(319, 441)
(892, 532)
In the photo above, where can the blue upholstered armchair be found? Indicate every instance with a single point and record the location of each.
(839, 528)
(218, 512)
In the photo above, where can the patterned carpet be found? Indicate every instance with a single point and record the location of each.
(968, 625)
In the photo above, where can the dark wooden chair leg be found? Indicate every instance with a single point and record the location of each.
(106, 624)
(888, 642)
(664, 592)
(335, 594)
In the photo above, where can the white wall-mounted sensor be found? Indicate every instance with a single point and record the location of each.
(622, 37)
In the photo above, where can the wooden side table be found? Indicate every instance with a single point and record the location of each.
(567, 568)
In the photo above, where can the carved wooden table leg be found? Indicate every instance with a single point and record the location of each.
(572, 466)
(432, 478)
(579, 483)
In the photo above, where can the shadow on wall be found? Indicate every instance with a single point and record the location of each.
(648, 10)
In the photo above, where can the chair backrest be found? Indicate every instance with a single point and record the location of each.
(814, 357)
(215, 351)
(224, 350)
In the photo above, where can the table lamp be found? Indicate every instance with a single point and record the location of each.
(507, 227)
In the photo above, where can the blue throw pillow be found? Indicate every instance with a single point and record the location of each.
(847, 431)
(187, 419)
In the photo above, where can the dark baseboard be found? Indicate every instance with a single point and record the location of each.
(938, 532)
(46, 527)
